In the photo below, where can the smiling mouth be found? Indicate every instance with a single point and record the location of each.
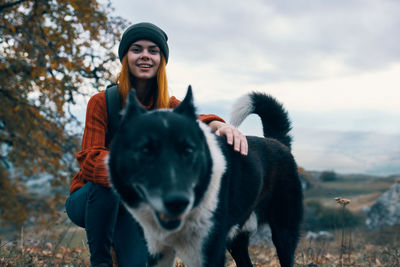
(169, 222)
(144, 66)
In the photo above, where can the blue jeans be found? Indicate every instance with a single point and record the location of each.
(107, 222)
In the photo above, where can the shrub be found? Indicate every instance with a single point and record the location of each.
(306, 179)
(319, 217)
(388, 236)
(328, 176)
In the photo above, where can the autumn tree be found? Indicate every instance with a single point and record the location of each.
(51, 51)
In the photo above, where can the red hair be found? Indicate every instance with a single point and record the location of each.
(124, 82)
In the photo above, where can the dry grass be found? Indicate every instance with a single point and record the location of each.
(361, 248)
(62, 244)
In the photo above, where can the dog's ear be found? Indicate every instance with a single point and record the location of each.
(186, 107)
(132, 106)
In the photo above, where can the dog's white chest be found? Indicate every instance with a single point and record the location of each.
(186, 243)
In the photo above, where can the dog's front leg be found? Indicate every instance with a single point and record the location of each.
(215, 260)
(215, 251)
(164, 258)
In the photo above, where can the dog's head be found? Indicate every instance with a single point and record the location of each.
(161, 159)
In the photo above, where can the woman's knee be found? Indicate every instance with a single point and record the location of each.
(103, 196)
(90, 198)
(75, 206)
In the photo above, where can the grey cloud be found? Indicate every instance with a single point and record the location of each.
(296, 37)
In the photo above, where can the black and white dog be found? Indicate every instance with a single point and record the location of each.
(194, 196)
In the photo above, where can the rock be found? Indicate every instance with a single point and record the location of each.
(386, 210)
(366, 209)
(320, 236)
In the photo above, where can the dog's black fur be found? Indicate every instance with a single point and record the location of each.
(194, 196)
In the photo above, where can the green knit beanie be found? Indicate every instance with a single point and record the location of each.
(145, 31)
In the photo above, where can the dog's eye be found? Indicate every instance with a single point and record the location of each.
(188, 150)
(146, 149)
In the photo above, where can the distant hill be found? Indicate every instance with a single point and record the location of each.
(363, 190)
(348, 152)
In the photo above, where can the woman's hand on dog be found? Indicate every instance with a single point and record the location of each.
(233, 136)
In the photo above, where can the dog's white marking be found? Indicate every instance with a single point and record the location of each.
(168, 258)
(165, 123)
(242, 108)
(249, 226)
(189, 239)
(233, 231)
(172, 175)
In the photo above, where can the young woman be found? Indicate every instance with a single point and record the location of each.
(143, 52)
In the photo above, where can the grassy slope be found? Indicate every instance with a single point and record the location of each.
(65, 244)
(362, 190)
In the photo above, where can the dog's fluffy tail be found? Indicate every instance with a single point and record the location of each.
(274, 117)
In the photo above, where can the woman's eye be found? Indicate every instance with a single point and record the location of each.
(154, 51)
(136, 50)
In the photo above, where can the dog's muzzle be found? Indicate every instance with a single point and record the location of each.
(175, 205)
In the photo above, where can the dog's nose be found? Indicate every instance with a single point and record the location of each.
(176, 203)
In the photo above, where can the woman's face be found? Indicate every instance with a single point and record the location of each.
(144, 59)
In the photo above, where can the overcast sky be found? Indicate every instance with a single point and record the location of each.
(335, 65)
